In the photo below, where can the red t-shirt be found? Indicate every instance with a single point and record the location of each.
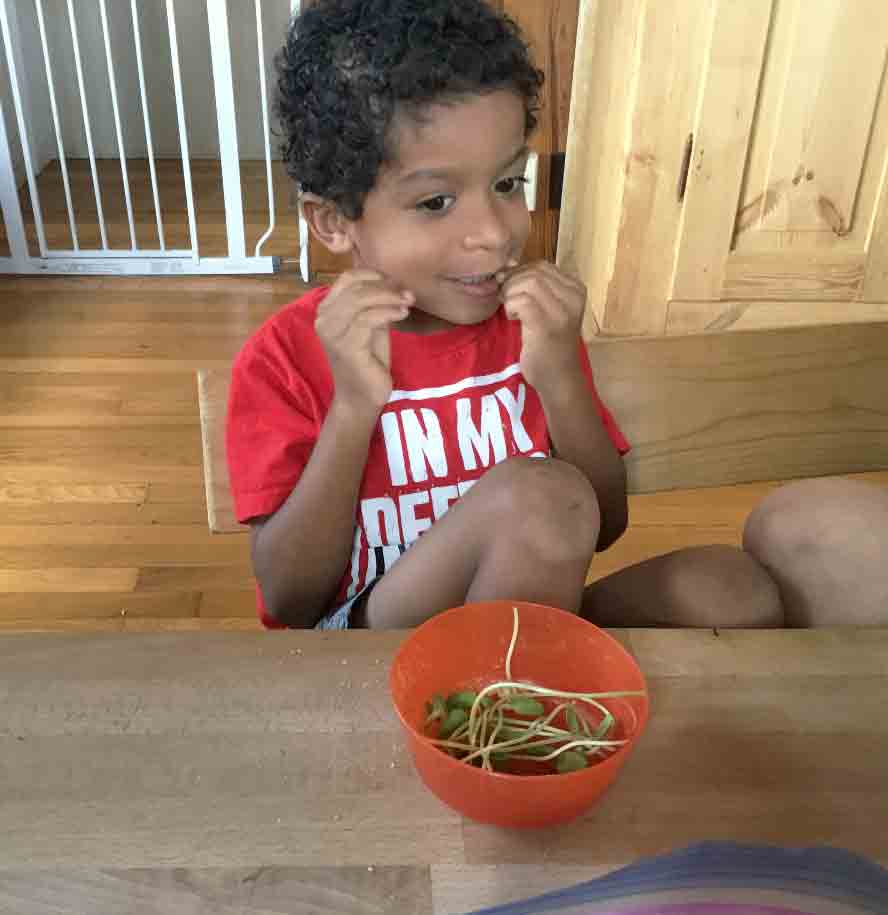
(459, 405)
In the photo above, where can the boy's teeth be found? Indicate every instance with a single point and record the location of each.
(476, 281)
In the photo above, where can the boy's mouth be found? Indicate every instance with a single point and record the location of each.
(479, 284)
(475, 280)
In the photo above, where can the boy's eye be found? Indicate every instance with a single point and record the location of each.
(439, 204)
(509, 186)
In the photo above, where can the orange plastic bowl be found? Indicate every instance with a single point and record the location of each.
(465, 648)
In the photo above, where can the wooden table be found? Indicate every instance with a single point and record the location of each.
(259, 772)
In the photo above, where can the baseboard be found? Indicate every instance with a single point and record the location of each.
(719, 409)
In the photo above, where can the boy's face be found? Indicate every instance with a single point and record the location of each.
(450, 212)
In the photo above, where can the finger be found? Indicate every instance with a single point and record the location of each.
(572, 284)
(373, 337)
(548, 271)
(560, 279)
(345, 334)
(554, 302)
(381, 347)
(356, 284)
(366, 291)
(335, 316)
(370, 335)
(351, 278)
(560, 300)
(372, 320)
(524, 308)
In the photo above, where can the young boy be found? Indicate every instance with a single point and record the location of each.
(426, 432)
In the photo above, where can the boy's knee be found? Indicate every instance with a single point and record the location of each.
(725, 587)
(547, 504)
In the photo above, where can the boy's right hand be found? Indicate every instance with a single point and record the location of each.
(353, 324)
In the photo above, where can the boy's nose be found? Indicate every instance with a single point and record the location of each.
(488, 228)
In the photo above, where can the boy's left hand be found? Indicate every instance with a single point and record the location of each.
(550, 306)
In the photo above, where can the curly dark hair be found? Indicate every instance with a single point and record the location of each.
(348, 66)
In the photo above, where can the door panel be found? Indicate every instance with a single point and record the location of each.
(792, 142)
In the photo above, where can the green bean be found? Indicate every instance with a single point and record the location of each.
(455, 718)
(436, 709)
(573, 722)
(536, 749)
(466, 699)
(522, 705)
(571, 761)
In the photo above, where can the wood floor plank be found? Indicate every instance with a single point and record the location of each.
(191, 350)
(48, 579)
(77, 493)
(143, 364)
(194, 578)
(66, 399)
(106, 514)
(37, 456)
(225, 603)
(233, 552)
(125, 624)
(78, 536)
(17, 608)
(173, 491)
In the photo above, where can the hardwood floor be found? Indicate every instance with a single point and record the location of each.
(101, 487)
(102, 514)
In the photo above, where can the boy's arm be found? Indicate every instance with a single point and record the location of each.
(550, 306)
(300, 551)
(580, 438)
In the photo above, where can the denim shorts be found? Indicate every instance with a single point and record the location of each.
(341, 616)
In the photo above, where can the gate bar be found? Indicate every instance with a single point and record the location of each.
(137, 37)
(183, 129)
(86, 127)
(60, 143)
(263, 98)
(13, 51)
(220, 51)
(112, 82)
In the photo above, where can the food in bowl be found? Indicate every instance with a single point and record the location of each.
(463, 649)
(524, 728)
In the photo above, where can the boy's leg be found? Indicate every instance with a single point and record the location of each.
(707, 586)
(526, 530)
(825, 542)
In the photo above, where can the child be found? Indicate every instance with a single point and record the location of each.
(426, 432)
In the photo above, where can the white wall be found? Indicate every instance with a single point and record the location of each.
(194, 53)
(35, 98)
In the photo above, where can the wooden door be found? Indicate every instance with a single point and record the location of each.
(550, 27)
(727, 164)
(786, 196)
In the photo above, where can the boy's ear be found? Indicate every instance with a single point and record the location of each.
(326, 222)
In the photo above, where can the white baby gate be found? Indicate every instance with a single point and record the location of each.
(134, 259)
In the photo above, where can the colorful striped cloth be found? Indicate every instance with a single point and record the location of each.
(723, 878)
